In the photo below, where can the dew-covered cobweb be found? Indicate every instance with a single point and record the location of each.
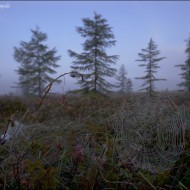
(151, 132)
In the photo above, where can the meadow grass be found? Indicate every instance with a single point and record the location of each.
(70, 143)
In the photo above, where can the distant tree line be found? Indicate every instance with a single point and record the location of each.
(38, 62)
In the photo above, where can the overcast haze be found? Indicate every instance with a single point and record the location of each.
(133, 22)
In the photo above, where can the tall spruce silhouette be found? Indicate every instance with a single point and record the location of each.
(150, 58)
(94, 62)
(37, 63)
(185, 75)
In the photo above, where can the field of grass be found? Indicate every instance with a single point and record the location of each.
(71, 142)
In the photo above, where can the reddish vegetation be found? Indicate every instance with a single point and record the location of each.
(82, 153)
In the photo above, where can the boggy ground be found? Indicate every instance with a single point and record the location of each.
(70, 143)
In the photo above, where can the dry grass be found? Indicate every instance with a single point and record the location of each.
(69, 143)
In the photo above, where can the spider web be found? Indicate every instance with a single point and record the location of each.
(151, 132)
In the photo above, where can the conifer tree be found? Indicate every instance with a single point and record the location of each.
(124, 83)
(37, 62)
(185, 75)
(129, 86)
(122, 79)
(93, 62)
(150, 58)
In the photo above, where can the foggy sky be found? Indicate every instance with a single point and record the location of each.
(133, 22)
